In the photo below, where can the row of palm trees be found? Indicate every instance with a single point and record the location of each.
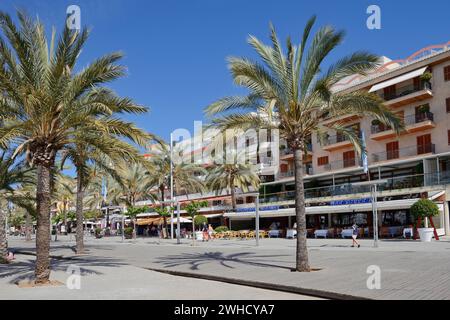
(51, 111)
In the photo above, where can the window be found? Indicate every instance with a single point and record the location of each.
(322, 161)
(349, 158)
(447, 103)
(389, 92)
(447, 73)
(424, 144)
(392, 151)
(448, 136)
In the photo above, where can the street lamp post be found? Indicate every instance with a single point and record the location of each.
(171, 185)
(374, 195)
(256, 195)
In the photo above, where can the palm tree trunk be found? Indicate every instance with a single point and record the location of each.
(79, 213)
(28, 226)
(233, 197)
(193, 231)
(43, 201)
(3, 245)
(64, 216)
(302, 261)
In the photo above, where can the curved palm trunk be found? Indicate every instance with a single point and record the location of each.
(302, 261)
(3, 245)
(43, 201)
(28, 226)
(79, 213)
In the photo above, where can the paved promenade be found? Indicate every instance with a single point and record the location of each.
(409, 269)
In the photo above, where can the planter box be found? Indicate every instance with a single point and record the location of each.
(426, 234)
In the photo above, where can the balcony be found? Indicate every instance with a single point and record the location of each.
(413, 123)
(403, 153)
(408, 94)
(308, 170)
(336, 142)
(342, 164)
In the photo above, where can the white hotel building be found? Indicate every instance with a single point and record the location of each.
(416, 164)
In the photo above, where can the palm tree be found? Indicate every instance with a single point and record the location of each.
(13, 174)
(105, 151)
(229, 176)
(186, 176)
(290, 92)
(45, 103)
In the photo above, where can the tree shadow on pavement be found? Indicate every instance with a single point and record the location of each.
(196, 260)
(23, 269)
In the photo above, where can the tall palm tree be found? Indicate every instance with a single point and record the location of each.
(135, 183)
(289, 92)
(105, 151)
(186, 176)
(45, 102)
(13, 174)
(229, 176)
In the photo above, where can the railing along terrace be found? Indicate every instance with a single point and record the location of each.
(401, 91)
(395, 183)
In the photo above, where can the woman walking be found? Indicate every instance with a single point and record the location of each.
(355, 235)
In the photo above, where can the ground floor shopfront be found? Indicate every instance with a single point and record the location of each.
(394, 218)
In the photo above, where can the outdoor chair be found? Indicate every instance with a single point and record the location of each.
(331, 233)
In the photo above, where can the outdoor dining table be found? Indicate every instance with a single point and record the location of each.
(321, 233)
(347, 233)
(274, 233)
(407, 231)
(291, 233)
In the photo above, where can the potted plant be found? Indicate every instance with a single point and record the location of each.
(426, 77)
(199, 220)
(98, 233)
(128, 233)
(421, 210)
(192, 210)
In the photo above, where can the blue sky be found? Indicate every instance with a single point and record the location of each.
(176, 50)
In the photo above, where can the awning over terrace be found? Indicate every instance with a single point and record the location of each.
(404, 77)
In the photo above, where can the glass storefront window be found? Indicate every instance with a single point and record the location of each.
(396, 218)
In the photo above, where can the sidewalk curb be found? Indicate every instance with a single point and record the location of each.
(263, 285)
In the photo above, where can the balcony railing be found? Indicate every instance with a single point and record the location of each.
(401, 91)
(403, 152)
(335, 139)
(418, 118)
(408, 121)
(291, 173)
(342, 164)
(287, 174)
(392, 184)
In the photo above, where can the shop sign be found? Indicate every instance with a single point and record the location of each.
(351, 201)
(252, 209)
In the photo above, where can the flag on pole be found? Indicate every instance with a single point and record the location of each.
(364, 153)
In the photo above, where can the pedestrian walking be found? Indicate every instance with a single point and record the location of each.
(355, 235)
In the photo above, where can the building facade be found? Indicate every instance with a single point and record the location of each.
(412, 165)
